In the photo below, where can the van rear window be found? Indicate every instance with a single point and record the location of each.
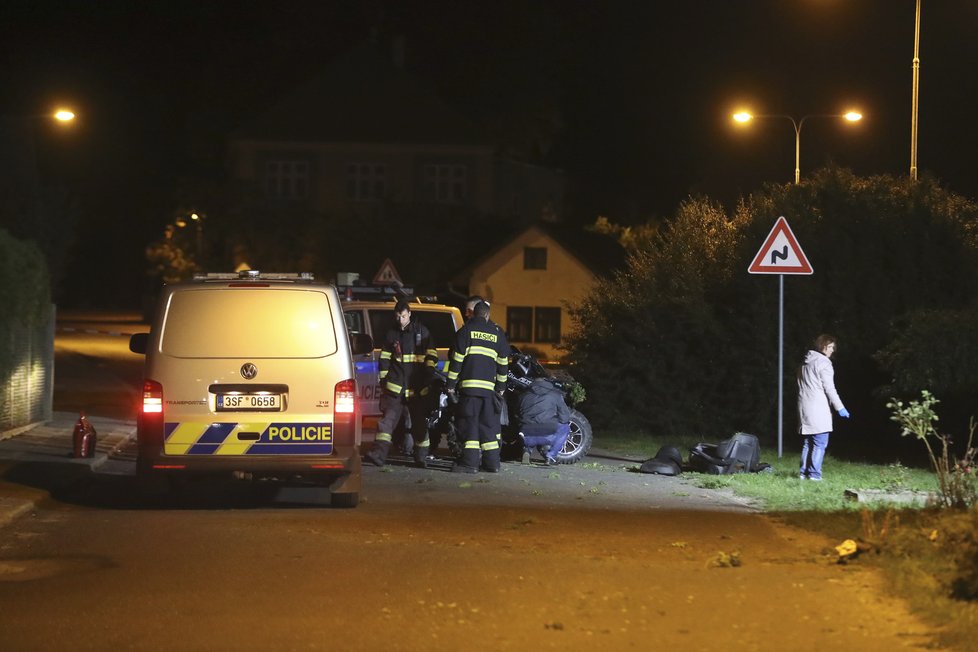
(440, 325)
(248, 323)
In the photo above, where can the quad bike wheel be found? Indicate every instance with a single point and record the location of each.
(579, 442)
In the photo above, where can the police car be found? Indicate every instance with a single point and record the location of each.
(374, 317)
(251, 373)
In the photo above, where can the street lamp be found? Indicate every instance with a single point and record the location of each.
(197, 219)
(22, 137)
(914, 93)
(851, 116)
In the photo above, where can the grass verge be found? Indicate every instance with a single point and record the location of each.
(929, 556)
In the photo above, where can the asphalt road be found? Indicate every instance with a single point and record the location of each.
(587, 557)
(94, 369)
(575, 559)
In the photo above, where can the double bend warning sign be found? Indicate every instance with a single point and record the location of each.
(780, 253)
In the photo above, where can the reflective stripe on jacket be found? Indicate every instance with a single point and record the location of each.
(406, 360)
(480, 358)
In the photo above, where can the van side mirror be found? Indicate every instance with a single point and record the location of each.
(361, 343)
(138, 342)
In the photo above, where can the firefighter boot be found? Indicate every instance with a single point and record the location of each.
(490, 460)
(378, 454)
(421, 457)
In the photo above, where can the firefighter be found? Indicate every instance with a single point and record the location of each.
(407, 361)
(469, 311)
(477, 372)
(470, 306)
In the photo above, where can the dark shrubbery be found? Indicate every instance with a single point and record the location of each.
(684, 341)
(24, 291)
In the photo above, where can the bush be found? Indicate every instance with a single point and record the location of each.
(956, 477)
(684, 341)
(24, 292)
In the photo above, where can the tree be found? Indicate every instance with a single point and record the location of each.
(684, 340)
(647, 335)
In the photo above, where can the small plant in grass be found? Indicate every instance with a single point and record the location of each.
(894, 476)
(956, 478)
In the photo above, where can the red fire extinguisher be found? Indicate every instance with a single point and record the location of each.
(84, 437)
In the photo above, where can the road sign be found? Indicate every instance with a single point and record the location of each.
(780, 253)
(387, 274)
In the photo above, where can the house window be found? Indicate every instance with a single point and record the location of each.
(366, 182)
(525, 324)
(534, 258)
(287, 179)
(519, 324)
(547, 325)
(445, 184)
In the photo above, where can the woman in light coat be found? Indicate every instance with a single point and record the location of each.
(816, 398)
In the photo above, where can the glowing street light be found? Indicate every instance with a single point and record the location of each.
(181, 221)
(64, 115)
(745, 117)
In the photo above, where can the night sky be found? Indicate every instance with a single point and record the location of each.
(631, 99)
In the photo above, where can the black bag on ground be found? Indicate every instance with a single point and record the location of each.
(668, 461)
(739, 454)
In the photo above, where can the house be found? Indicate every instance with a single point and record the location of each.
(397, 174)
(532, 278)
(367, 140)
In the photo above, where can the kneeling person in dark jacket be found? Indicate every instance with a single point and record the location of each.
(544, 419)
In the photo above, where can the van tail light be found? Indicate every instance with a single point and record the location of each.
(149, 422)
(345, 397)
(345, 413)
(152, 397)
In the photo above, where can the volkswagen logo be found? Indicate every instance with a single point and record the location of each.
(249, 370)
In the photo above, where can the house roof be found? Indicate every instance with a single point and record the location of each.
(600, 253)
(363, 97)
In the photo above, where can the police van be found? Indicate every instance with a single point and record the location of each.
(251, 373)
(374, 317)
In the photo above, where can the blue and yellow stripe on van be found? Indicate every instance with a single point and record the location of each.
(373, 367)
(252, 438)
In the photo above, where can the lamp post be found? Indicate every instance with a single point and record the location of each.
(744, 117)
(21, 141)
(916, 88)
(198, 220)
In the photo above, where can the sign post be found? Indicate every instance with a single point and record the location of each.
(780, 254)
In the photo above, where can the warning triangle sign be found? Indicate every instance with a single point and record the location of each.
(387, 274)
(780, 253)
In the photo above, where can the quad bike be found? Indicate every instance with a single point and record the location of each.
(523, 370)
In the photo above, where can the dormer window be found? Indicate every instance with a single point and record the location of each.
(534, 258)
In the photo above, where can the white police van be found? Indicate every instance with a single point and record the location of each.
(251, 373)
(374, 317)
